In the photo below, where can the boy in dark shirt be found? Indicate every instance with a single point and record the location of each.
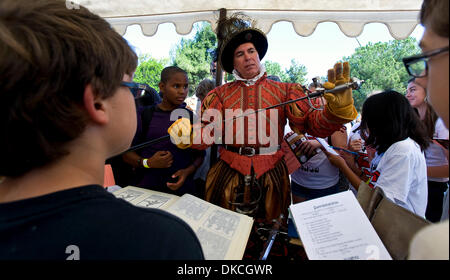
(65, 107)
(164, 166)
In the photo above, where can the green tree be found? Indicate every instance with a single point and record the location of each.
(296, 73)
(192, 55)
(274, 68)
(380, 66)
(149, 71)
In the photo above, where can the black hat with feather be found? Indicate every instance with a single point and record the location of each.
(235, 31)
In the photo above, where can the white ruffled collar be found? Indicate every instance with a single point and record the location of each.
(250, 82)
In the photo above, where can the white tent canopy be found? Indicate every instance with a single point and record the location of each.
(400, 16)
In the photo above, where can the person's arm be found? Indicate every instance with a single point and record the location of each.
(354, 179)
(351, 162)
(339, 108)
(441, 140)
(133, 159)
(438, 171)
(161, 159)
(199, 156)
(339, 139)
(320, 123)
(340, 163)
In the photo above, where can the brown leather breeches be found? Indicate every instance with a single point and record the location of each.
(266, 197)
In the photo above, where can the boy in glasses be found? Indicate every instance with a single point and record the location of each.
(432, 241)
(63, 112)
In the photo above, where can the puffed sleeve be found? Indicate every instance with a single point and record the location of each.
(304, 118)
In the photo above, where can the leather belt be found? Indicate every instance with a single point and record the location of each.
(251, 151)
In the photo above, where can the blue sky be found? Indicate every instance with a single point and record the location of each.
(317, 52)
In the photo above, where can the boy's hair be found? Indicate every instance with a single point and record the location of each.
(435, 13)
(48, 55)
(204, 87)
(387, 117)
(167, 72)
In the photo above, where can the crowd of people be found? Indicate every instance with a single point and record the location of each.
(67, 82)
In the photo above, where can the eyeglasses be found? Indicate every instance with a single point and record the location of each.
(417, 66)
(134, 87)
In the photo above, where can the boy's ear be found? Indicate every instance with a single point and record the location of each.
(94, 106)
(161, 87)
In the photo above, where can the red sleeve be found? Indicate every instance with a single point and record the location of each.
(304, 118)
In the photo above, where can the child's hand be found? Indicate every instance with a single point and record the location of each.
(182, 175)
(161, 159)
(309, 147)
(355, 145)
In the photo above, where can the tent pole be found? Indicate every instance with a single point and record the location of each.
(219, 76)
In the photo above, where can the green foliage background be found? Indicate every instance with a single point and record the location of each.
(192, 55)
(379, 65)
(296, 73)
(149, 71)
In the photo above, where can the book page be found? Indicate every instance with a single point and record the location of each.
(335, 227)
(223, 234)
(146, 198)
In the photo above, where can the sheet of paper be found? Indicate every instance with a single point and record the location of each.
(335, 227)
(326, 146)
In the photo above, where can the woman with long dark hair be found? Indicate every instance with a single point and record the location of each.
(393, 128)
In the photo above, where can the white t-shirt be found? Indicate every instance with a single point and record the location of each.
(316, 173)
(401, 173)
(434, 154)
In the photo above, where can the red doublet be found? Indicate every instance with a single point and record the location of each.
(264, 93)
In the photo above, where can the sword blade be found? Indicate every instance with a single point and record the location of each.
(354, 85)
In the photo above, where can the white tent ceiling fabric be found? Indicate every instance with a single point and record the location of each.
(400, 16)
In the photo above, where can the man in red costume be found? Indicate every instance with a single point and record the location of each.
(251, 176)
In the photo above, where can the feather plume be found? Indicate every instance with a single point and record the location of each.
(229, 26)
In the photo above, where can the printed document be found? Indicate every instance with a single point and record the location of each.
(335, 227)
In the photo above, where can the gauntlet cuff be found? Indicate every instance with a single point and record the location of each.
(344, 114)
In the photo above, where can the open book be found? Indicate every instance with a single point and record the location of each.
(334, 227)
(223, 234)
